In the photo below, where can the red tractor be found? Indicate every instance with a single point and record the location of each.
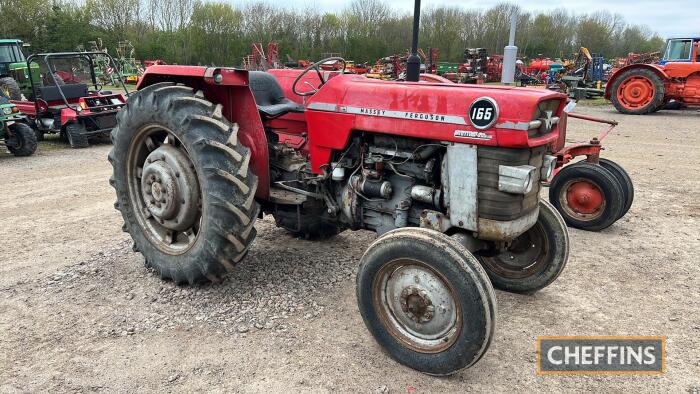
(447, 175)
(639, 89)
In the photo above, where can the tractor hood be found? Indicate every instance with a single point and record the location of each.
(473, 114)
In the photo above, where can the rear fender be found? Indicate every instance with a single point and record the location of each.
(238, 106)
(655, 68)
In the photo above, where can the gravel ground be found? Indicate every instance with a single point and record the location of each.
(79, 312)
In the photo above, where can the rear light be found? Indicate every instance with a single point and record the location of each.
(15, 109)
(83, 105)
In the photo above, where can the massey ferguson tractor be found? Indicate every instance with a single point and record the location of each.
(447, 175)
(640, 89)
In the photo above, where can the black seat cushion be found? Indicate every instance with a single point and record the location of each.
(73, 91)
(269, 97)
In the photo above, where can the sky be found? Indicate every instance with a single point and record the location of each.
(668, 18)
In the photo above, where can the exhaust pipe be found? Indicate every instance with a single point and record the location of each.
(413, 61)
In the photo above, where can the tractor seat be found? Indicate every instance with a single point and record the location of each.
(269, 97)
(72, 92)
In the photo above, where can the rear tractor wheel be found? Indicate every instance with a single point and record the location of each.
(638, 92)
(183, 183)
(534, 259)
(588, 196)
(426, 300)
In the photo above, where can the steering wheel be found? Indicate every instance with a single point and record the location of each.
(317, 67)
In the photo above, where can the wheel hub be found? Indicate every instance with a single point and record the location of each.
(416, 304)
(170, 189)
(584, 198)
(636, 92)
(420, 304)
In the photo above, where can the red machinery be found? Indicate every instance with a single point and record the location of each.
(639, 89)
(594, 193)
(447, 175)
(69, 100)
(539, 65)
(157, 62)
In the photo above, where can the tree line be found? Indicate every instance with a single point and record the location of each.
(217, 32)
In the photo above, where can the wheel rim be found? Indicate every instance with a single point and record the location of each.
(582, 199)
(636, 92)
(417, 305)
(525, 256)
(164, 190)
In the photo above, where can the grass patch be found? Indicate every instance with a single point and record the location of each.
(594, 102)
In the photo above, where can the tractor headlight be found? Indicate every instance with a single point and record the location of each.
(549, 162)
(7, 110)
(516, 179)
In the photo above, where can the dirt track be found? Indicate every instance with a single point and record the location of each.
(78, 311)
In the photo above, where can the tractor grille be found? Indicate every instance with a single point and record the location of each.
(495, 204)
(543, 107)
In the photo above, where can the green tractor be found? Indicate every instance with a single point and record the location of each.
(16, 135)
(14, 74)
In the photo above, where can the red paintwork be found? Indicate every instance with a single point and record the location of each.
(681, 79)
(434, 78)
(318, 133)
(330, 131)
(584, 197)
(35, 109)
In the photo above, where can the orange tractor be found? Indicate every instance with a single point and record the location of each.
(640, 89)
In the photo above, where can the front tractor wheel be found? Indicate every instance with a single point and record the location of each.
(638, 92)
(534, 259)
(426, 300)
(183, 184)
(588, 196)
(23, 140)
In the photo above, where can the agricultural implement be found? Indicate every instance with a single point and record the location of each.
(593, 193)
(639, 89)
(447, 175)
(69, 100)
(15, 134)
(129, 68)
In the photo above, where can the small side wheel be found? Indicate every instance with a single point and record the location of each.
(23, 140)
(426, 300)
(625, 181)
(75, 132)
(587, 196)
(637, 92)
(533, 260)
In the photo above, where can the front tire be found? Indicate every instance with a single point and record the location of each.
(534, 259)
(183, 182)
(426, 300)
(24, 138)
